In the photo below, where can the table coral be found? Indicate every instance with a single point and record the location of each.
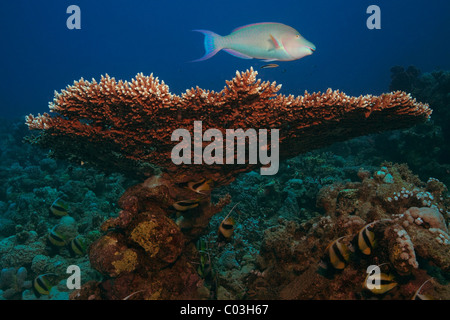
(127, 126)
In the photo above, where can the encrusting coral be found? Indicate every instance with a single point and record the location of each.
(127, 127)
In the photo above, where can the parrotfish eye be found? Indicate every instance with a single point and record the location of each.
(297, 36)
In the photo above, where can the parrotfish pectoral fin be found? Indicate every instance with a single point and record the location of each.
(237, 54)
(211, 46)
(275, 42)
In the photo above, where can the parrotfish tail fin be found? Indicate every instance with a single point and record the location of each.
(212, 44)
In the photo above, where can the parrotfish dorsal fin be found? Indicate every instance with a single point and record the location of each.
(252, 25)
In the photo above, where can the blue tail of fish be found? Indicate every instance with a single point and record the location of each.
(211, 46)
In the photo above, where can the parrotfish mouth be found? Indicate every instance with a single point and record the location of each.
(310, 48)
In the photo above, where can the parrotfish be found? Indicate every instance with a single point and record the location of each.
(268, 41)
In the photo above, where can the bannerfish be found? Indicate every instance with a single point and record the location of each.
(268, 41)
(365, 240)
(226, 227)
(59, 208)
(185, 205)
(42, 284)
(200, 186)
(56, 239)
(386, 284)
(77, 246)
(336, 255)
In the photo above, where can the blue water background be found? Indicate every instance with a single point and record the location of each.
(40, 54)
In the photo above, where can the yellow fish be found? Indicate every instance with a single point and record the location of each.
(59, 208)
(77, 246)
(226, 227)
(387, 283)
(365, 239)
(185, 205)
(336, 255)
(200, 186)
(56, 239)
(42, 285)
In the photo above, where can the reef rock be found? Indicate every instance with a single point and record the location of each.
(409, 223)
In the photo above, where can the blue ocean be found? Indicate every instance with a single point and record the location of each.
(104, 196)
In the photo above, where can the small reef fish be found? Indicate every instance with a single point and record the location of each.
(204, 268)
(336, 255)
(59, 208)
(202, 246)
(365, 239)
(185, 205)
(386, 284)
(418, 296)
(268, 41)
(42, 284)
(200, 186)
(77, 246)
(56, 239)
(270, 65)
(226, 227)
